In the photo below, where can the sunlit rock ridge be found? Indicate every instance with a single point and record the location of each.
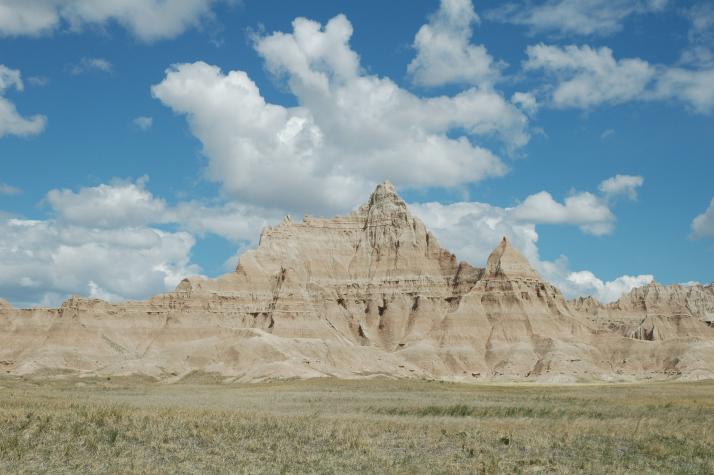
(364, 295)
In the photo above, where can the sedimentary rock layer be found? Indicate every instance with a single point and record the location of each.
(372, 293)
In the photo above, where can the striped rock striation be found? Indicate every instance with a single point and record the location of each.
(369, 294)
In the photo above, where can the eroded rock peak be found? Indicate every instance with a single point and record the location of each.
(506, 262)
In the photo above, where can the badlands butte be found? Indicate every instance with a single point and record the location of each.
(364, 295)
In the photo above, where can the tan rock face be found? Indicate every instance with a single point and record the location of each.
(507, 263)
(655, 312)
(695, 300)
(367, 294)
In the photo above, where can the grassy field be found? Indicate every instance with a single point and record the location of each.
(330, 426)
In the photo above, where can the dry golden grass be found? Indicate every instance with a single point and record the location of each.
(375, 426)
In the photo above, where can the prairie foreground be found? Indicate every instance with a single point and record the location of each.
(129, 425)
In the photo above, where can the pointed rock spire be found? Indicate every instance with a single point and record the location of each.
(385, 195)
(505, 261)
(386, 217)
(386, 207)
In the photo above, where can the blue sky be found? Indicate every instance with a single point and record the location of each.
(142, 140)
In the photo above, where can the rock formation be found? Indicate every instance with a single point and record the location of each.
(371, 293)
(655, 312)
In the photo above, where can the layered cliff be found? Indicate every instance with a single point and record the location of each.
(371, 293)
(655, 312)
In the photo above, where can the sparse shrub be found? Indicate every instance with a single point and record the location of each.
(112, 435)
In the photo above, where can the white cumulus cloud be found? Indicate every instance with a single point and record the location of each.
(472, 230)
(147, 20)
(348, 131)
(39, 81)
(444, 52)
(700, 35)
(574, 17)
(692, 87)
(703, 225)
(6, 189)
(584, 209)
(588, 76)
(143, 122)
(121, 203)
(124, 203)
(236, 222)
(607, 133)
(10, 78)
(110, 241)
(42, 262)
(585, 77)
(526, 101)
(585, 282)
(86, 65)
(11, 122)
(618, 185)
